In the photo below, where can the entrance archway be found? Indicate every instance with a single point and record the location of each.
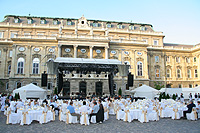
(99, 89)
(82, 88)
(66, 88)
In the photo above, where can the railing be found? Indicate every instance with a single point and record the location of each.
(34, 37)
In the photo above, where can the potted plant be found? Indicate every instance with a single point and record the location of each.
(120, 92)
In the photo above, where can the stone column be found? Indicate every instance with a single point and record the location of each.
(59, 50)
(75, 51)
(91, 52)
(4, 62)
(28, 69)
(106, 52)
(12, 73)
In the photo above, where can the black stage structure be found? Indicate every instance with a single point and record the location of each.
(86, 66)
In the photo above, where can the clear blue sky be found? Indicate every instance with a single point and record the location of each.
(179, 20)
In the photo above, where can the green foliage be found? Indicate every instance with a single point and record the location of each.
(120, 92)
(160, 97)
(18, 96)
(164, 96)
(174, 96)
(167, 97)
(158, 85)
(56, 91)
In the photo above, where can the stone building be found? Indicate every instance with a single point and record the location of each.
(28, 42)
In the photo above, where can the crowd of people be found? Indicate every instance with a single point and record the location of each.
(96, 105)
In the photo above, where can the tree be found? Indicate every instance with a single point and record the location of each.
(167, 97)
(55, 91)
(16, 96)
(174, 96)
(158, 85)
(120, 92)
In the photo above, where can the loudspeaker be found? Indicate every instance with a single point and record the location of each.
(130, 80)
(60, 82)
(44, 80)
(110, 83)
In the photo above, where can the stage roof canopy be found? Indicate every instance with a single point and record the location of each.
(87, 61)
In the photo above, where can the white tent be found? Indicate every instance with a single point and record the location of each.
(185, 91)
(171, 91)
(30, 91)
(145, 91)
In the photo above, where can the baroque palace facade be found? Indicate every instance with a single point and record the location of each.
(28, 42)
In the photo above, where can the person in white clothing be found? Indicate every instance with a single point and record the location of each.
(198, 107)
(55, 97)
(3, 99)
(84, 108)
(64, 105)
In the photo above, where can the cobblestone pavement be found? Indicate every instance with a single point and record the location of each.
(110, 126)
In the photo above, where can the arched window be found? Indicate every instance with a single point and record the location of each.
(20, 66)
(157, 73)
(189, 73)
(18, 84)
(178, 73)
(7, 85)
(9, 69)
(195, 73)
(139, 68)
(36, 62)
(168, 73)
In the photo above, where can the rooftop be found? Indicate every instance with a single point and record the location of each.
(77, 19)
(178, 45)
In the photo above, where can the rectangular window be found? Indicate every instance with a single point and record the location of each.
(142, 28)
(179, 86)
(18, 84)
(134, 38)
(10, 53)
(119, 26)
(1, 34)
(156, 58)
(187, 60)
(131, 27)
(43, 21)
(189, 73)
(146, 40)
(157, 73)
(195, 73)
(7, 86)
(195, 59)
(40, 34)
(55, 22)
(190, 85)
(177, 59)
(16, 20)
(30, 21)
(108, 25)
(155, 42)
(168, 73)
(167, 59)
(69, 22)
(27, 34)
(13, 34)
(95, 24)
